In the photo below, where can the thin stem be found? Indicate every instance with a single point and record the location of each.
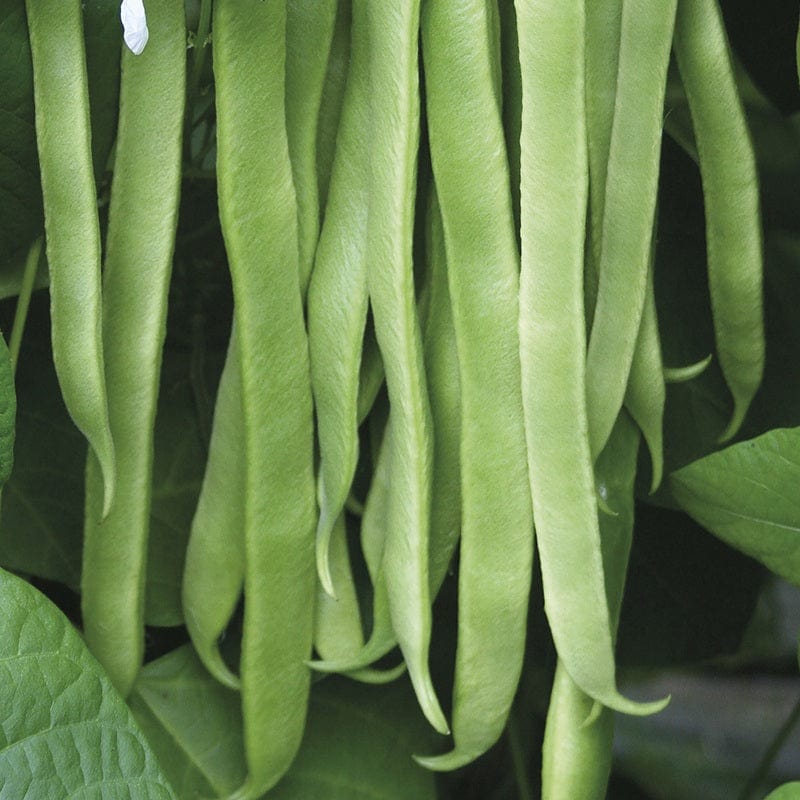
(761, 772)
(202, 399)
(24, 300)
(199, 55)
(518, 759)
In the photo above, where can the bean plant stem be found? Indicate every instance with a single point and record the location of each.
(199, 55)
(24, 300)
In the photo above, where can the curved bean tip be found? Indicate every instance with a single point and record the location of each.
(602, 504)
(658, 474)
(634, 708)
(109, 490)
(325, 525)
(215, 664)
(597, 710)
(446, 762)
(737, 418)
(376, 676)
(429, 703)
(324, 565)
(682, 374)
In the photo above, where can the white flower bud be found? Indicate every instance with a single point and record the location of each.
(134, 25)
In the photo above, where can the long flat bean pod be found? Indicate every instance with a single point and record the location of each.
(730, 196)
(337, 625)
(309, 31)
(214, 571)
(444, 385)
(629, 207)
(330, 107)
(143, 217)
(470, 167)
(646, 394)
(63, 138)
(393, 34)
(374, 527)
(554, 170)
(259, 223)
(576, 754)
(338, 634)
(337, 298)
(441, 366)
(603, 23)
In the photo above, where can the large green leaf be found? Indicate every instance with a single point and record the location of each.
(747, 495)
(66, 732)
(789, 791)
(358, 743)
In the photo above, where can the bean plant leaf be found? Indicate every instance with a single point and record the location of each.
(358, 741)
(789, 791)
(66, 732)
(746, 495)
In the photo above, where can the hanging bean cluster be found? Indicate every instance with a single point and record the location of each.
(453, 292)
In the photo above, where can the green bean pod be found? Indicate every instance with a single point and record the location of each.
(337, 299)
(143, 215)
(337, 625)
(511, 96)
(63, 138)
(371, 375)
(374, 528)
(444, 385)
(338, 634)
(258, 213)
(646, 394)
(309, 32)
(393, 34)
(629, 208)
(554, 181)
(687, 373)
(214, 571)
(470, 166)
(603, 25)
(576, 753)
(441, 365)
(730, 196)
(330, 107)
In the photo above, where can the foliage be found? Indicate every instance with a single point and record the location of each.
(702, 610)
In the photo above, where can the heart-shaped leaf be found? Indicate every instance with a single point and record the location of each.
(358, 742)
(66, 732)
(747, 495)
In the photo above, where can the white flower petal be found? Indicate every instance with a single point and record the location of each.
(134, 25)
